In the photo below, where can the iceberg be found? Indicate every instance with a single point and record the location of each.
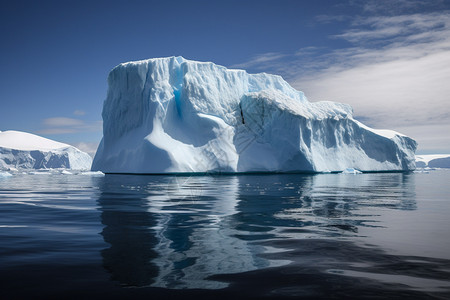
(351, 171)
(5, 174)
(173, 115)
(433, 161)
(21, 150)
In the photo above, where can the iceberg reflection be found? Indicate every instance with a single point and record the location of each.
(128, 229)
(178, 231)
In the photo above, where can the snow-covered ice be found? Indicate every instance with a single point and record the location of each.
(169, 115)
(433, 161)
(21, 150)
(93, 174)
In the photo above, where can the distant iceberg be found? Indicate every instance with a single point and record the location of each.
(351, 171)
(433, 161)
(170, 115)
(21, 150)
(5, 174)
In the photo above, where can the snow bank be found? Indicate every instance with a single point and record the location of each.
(170, 114)
(21, 150)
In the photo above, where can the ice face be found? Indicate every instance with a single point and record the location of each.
(21, 150)
(170, 114)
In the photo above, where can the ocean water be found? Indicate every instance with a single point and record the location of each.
(326, 236)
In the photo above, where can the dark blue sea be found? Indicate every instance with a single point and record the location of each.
(326, 236)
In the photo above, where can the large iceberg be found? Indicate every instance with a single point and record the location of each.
(170, 115)
(21, 150)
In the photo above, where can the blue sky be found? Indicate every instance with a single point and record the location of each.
(389, 59)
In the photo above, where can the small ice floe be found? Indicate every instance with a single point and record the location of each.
(351, 171)
(5, 174)
(45, 172)
(92, 173)
(29, 151)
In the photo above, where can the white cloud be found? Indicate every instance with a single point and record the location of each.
(326, 19)
(63, 125)
(62, 122)
(397, 6)
(79, 112)
(259, 59)
(394, 93)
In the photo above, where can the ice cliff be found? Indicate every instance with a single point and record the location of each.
(21, 150)
(169, 115)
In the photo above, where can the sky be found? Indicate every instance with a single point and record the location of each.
(388, 59)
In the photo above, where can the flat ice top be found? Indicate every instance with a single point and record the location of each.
(429, 157)
(26, 141)
(383, 132)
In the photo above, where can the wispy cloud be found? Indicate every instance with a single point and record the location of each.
(286, 65)
(79, 112)
(403, 29)
(396, 7)
(260, 59)
(62, 122)
(327, 19)
(63, 125)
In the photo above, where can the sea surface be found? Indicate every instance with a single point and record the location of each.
(325, 236)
